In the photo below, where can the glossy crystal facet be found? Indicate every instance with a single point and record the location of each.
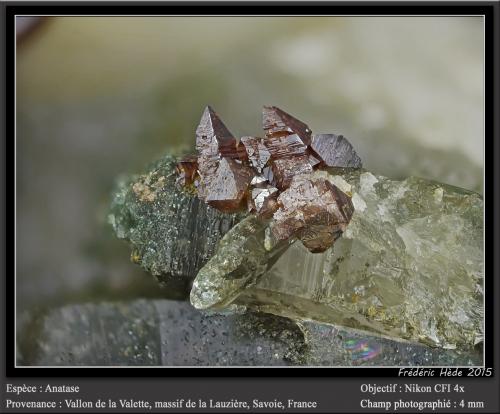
(229, 185)
(335, 151)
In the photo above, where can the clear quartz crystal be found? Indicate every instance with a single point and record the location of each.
(241, 258)
(408, 266)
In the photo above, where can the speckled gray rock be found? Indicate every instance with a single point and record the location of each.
(328, 345)
(164, 333)
(172, 233)
(173, 333)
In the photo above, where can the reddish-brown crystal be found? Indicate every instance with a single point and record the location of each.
(229, 185)
(241, 152)
(207, 168)
(263, 201)
(318, 238)
(285, 146)
(313, 160)
(213, 141)
(315, 211)
(284, 169)
(335, 151)
(257, 153)
(269, 207)
(187, 170)
(213, 138)
(277, 122)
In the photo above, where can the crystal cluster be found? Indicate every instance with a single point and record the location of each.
(408, 266)
(271, 176)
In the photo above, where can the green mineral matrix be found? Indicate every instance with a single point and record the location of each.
(408, 265)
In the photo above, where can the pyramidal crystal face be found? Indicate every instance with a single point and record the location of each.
(213, 137)
(257, 173)
(228, 186)
(277, 123)
(213, 142)
(335, 151)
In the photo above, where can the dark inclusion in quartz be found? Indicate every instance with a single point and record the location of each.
(273, 176)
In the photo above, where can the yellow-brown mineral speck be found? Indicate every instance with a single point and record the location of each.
(135, 257)
(145, 190)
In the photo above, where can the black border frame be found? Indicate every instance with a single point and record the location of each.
(489, 9)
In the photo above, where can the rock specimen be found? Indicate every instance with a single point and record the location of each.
(261, 170)
(409, 264)
(172, 333)
(164, 333)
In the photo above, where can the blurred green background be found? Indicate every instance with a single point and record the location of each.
(101, 96)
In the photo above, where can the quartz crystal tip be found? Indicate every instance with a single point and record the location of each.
(240, 260)
(204, 297)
